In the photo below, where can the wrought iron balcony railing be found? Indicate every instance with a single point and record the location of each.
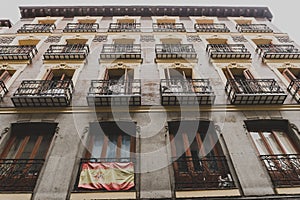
(43, 93)
(254, 91)
(284, 170)
(221, 28)
(81, 27)
(294, 89)
(186, 92)
(37, 28)
(121, 51)
(253, 28)
(168, 27)
(278, 51)
(124, 27)
(67, 52)
(114, 92)
(193, 173)
(19, 174)
(103, 160)
(175, 51)
(16, 52)
(3, 89)
(228, 51)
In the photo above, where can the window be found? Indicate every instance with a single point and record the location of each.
(199, 162)
(290, 73)
(278, 150)
(5, 75)
(23, 155)
(109, 159)
(59, 74)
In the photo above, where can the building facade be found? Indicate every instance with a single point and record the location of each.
(148, 102)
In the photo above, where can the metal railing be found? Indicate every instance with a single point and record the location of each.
(175, 51)
(33, 93)
(19, 174)
(193, 173)
(186, 92)
(17, 52)
(37, 28)
(124, 27)
(294, 89)
(3, 87)
(114, 92)
(253, 28)
(215, 27)
(284, 169)
(103, 160)
(168, 27)
(278, 51)
(69, 51)
(254, 91)
(81, 27)
(228, 51)
(122, 51)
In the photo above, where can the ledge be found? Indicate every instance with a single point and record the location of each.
(103, 195)
(207, 193)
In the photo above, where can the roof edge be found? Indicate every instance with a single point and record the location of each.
(146, 11)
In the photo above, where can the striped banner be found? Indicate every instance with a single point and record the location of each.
(111, 176)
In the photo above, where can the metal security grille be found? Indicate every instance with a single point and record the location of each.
(253, 28)
(37, 28)
(114, 92)
(168, 27)
(81, 27)
(67, 52)
(254, 91)
(221, 27)
(124, 27)
(186, 92)
(43, 93)
(175, 51)
(228, 51)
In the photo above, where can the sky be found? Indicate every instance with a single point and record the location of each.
(282, 11)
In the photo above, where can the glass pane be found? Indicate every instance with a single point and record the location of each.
(125, 148)
(43, 148)
(97, 146)
(29, 147)
(272, 143)
(15, 147)
(112, 146)
(285, 142)
(259, 143)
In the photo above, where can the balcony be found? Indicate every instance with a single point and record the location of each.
(253, 28)
(211, 172)
(279, 51)
(37, 28)
(120, 182)
(19, 175)
(216, 28)
(3, 89)
(124, 27)
(186, 92)
(168, 27)
(17, 52)
(81, 27)
(284, 170)
(175, 51)
(254, 91)
(67, 52)
(294, 89)
(114, 92)
(121, 51)
(228, 51)
(43, 93)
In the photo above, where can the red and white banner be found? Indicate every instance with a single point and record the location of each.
(111, 176)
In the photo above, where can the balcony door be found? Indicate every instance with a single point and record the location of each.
(5, 76)
(110, 153)
(277, 150)
(198, 160)
(23, 155)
